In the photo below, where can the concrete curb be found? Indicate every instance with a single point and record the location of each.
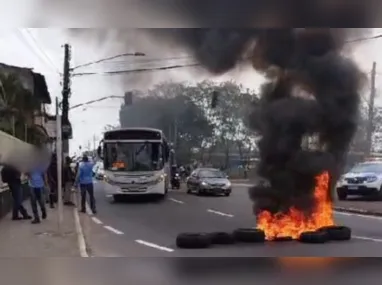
(358, 211)
(80, 235)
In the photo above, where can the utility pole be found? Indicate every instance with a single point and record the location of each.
(59, 167)
(370, 123)
(94, 142)
(66, 94)
(175, 132)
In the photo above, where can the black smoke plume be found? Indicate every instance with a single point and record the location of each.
(313, 90)
(304, 60)
(297, 61)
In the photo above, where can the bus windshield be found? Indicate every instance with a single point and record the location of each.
(134, 156)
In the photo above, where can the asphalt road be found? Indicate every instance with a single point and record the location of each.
(147, 228)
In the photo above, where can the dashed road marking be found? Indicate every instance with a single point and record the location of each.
(220, 213)
(97, 221)
(368, 238)
(176, 201)
(153, 245)
(113, 230)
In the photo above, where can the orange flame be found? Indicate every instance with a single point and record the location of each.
(295, 222)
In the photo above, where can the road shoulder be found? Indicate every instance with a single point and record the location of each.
(361, 207)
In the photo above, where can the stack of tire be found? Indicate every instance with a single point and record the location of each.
(250, 235)
(326, 234)
(205, 240)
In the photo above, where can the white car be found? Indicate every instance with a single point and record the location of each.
(364, 179)
(98, 171)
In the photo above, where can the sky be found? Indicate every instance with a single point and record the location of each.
(41, 49)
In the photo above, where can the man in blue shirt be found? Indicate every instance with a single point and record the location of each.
(85, 179)
(37, 183)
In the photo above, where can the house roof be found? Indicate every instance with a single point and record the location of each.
(34, 82)
(41, 89)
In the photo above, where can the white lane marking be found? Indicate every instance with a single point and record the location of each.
(176, 201)
(113, 230)
(219, 213)
(80, 235)
(153, 245)
(367, 238)
(88, 210)
(358, 215)
(97, 221)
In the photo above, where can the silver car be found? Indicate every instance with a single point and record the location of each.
(208, 181)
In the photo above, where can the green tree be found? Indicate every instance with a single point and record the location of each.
(228, 116)
(168, 107)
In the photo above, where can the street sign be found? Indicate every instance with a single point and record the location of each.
(67, 131)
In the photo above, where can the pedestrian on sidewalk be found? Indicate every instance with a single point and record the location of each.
(68, 181)
(38, 182)
(85, 180)
(52, 181)
(12, 177)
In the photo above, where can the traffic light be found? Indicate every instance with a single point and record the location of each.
(128, 98)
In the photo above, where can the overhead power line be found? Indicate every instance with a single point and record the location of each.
(109, 58)
(116, 72)
(48, 58)
(375, 37)
(137, 70)
(40, 56)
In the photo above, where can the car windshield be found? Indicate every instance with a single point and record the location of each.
(367, 167)
(211, 173)
(125, 156)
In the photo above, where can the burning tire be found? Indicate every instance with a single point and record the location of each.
(282, 239)
(314, 237)
(222, 238)
(337, 233)
(249, 235)
(193, 240)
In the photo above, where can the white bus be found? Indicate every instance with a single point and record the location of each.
(136, 162)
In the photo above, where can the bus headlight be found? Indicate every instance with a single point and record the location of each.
(160, 178)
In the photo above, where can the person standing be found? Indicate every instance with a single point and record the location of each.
(68, 181)
(85, 180)
(12, 177)
(38, 181)
(52, 181)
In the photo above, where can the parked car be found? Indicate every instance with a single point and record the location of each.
(208, 181)
(364, 179)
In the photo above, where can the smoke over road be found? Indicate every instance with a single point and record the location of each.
(294, 60)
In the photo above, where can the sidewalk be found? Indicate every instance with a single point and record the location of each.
(22, 239)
